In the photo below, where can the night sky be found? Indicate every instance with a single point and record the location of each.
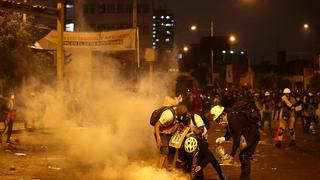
(262, 27)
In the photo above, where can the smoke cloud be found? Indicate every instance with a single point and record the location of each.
(100, 119)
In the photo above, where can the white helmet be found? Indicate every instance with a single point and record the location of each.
(190, 145)
(286, 91)
(267, 93)
(216, 111)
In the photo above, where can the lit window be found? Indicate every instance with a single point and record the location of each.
(153, 28)
(153, 47)
(169, 25)
(162, 17)
(179, 56)
(154, 36)
(242, 52)
(231, 52)
(154, 43)
(70, 27)
(167, 40)
(153, 17)
(168, 17)
(162, 24)
(153, 24)
(153, 32)
(223, 51)
(157, 40)
(168, 32)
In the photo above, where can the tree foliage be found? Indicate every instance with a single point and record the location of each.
(17, 59)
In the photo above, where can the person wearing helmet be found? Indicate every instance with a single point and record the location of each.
(267, 109)
(164, 128)
(198, 140)
(240, 128)
(8, 117)
(287, 116)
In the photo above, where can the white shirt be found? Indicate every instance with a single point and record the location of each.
(198, 123)
(166, 119)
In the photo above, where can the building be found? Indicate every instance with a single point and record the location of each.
(163, 36)
(198, 59)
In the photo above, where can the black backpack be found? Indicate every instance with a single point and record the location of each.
(247, 108)
(155, 116)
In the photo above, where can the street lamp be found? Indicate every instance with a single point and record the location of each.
(232, 38)
(185, 49)
(193, 28)
(306, 26)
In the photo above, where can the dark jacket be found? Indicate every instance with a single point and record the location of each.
(239, 125)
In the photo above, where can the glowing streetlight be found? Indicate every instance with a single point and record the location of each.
(185, 49)
(232, 38)
(306, 26)
(193, 27)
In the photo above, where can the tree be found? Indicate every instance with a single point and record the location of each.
(17, 59)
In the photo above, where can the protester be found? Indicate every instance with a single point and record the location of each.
(287, 117)
(310, 114)
(165, 126)
(200, 133)
(8, 116)
(238, 125)
(267, 109)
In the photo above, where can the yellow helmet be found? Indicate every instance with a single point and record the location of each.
(191, 144)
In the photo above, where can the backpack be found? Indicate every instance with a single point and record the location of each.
(249, 109)
(155, 116)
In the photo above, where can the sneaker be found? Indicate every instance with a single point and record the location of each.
(292, 143)
(278, 144)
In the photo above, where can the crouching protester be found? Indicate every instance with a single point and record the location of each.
(195, 153)
(240, 127)
(165, 125)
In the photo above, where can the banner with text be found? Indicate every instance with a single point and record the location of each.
(119, 40)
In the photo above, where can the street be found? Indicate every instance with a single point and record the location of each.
(43, 155)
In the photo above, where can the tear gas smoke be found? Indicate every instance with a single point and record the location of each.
(99, 119)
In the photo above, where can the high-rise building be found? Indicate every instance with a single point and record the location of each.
(163, 35)
(162, 30)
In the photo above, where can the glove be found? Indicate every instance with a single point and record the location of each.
(220, 140)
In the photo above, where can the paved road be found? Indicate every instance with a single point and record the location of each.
(300, 162)
(45, 158)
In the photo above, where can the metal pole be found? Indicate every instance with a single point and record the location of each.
(135, 26)
(211, 35)
(60, 53)
(24, 15)
(151, 77)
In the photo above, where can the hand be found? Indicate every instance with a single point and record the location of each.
(197, 169)
(227, 160)
(159, 143)
(220, 140)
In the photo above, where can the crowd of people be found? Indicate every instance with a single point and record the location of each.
(242, 113)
